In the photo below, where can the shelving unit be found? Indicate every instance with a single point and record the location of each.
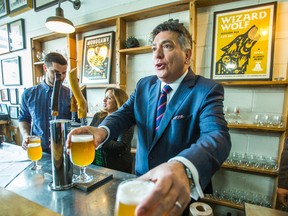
(223, 203)
(37, 46)
(120, 73)
(282, 131)
(256, 128)
(250, 170)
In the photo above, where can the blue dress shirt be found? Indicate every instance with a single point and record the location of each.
(36, 109)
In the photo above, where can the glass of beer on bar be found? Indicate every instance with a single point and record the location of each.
(35, 151)
(130, 193)
(82, 155)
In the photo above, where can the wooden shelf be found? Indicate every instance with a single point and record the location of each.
(156, 11)
(101, 85)
(222, 202)
(254, 83)
(48, 37)
(104, 23)
(206, 3)
(136, 50)
(39, 63)
(250, 170)
(3, 122)
(256, 128)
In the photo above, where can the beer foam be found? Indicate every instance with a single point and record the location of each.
(133, 192)
(34, 139)
(31, 145)
(82, 138)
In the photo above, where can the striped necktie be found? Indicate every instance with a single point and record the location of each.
(162, 104)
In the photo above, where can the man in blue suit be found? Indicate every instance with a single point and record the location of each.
(192, 140)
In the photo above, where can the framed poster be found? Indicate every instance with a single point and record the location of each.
(43, 4)
(16, 35)
(3, 8)
(4, 108)
(13, 96)
(19, 6)
(14, 112)
(11, 71)
(97, 58)
(243, 43)
(4, 41)
(4, 95)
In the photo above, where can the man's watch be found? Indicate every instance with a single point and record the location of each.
(190, 177)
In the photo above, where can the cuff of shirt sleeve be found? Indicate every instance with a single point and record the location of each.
(196, 191)
(108, 134)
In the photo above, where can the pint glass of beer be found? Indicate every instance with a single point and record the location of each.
(34, 151)
(129, 194)
(82, 155)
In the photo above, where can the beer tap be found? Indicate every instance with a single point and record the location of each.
(73, 107)
(55, 95)
(81, 101)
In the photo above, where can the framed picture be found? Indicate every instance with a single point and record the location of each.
(14, 112)
(16, 35)
(4, 41)
(11, 71)
(3, 8)
(97, 58)
(19, 6)
(4, 108)
(13, 96)
(4, 95)
(43, 4)
(243, 43)
(20, 92)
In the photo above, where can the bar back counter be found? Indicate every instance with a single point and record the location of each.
(34, 186)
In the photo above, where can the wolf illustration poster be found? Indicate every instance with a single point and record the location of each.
(243, 43)
(97, 54)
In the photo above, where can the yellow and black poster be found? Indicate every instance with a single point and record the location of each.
(243, 43)
(97, 58)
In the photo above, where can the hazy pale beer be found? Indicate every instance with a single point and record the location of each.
(34, 148)
(129, 194)
(82, 149)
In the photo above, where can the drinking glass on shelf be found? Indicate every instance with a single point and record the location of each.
(129, 194)
(35, 151)
(257, 119)
(39, 56)
(227, 114)
(265, 120)
(277, 120)
(236, 118)
(82, 155)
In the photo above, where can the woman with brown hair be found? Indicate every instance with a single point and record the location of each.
(115, 154)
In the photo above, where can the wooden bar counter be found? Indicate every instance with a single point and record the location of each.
(254, 210)
(33, 186)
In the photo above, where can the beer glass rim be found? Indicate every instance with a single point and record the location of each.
(31, 145)
(123, 194)
(34, 138)
(82, 137)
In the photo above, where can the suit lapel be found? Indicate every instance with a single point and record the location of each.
(176, 101)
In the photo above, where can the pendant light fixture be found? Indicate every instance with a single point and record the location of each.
(60, 24)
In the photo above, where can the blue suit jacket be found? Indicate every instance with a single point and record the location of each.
(193, 125)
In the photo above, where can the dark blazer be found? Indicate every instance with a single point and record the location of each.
(117, 152)
(283, 169)
(193, 125)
